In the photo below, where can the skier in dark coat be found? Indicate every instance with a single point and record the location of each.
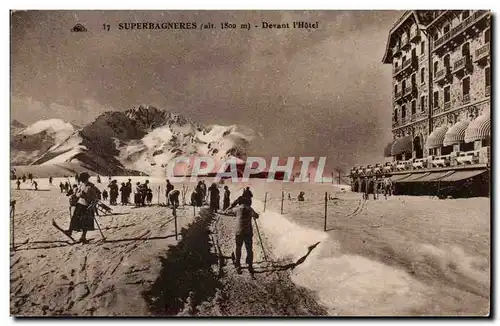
(173, 198)
(214, 197)
(149, 196)
(113, 192)
(123, 193)
(248, 194)
(50, 180)
(169, 188)
(129, 189)
(82, 219)
(104, 195)
(18, 183)
(24, 178)
(227, 198)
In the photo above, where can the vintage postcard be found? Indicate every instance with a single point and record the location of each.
(250, 163)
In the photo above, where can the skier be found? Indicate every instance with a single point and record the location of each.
(129, 189)
(30, 176)
(248, 194)
(77, 178)
(104, 195)
(173, 198)
(123, 192)
(99, 194)
(227, 198)
(387, 182)
(149, 196)
(82, 219)
(24, 178)
(244, 231)
(66, 186)
(203, 191)
(18, 183)
(61, 186)
(214, 197)
(196, 197)
(300, 197)
(169, 188)
(50, 180)
(113, 192)
(35, 184)
(137, 194)
(98, 179)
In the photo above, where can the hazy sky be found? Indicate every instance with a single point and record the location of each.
(322, 92)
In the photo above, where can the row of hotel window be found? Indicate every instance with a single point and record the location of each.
(446, 93)
(465, 52)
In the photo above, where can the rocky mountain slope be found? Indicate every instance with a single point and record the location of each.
(142, 139)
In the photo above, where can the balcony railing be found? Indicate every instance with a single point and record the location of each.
(396, 70)
(487, 91)
(442, 75)
(405, 42)
(483, 52)
(461, 64)
(447, 105)
(398, 95)
(396, 51)
(414, 34)
(422, 58)
(466, 98)
(437, 110)
(476, 16)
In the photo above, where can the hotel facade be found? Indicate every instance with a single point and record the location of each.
(441, 81)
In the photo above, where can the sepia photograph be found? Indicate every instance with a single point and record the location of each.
(250, 163)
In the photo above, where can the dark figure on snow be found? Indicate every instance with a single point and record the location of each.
(113, 192)
(169, 188)
(129, 189)
(18, 183)
(99, 194)
(248, 194)
(227, 198)
(124, 194)
(24, 178)
(196, 197)
(144, 192)
(387, 182)
(77, 178)
(35, 184)
(214, 197)
(73, 199)
(300, 197)
(370, 188)
(173, 198)
(82, 219)
(98, 179)
(50, 181)
(244, 231)
(137, 194)
(149, 196)
(104, 195)
(30, 176)
(66, 187)
(203, 191)
(289, 196)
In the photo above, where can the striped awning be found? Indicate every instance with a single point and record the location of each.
(387, 150)
(435, 176)
(479, 128)
(401, 145)
(413, 178)
(398, 177)
(435, 139)
(462, 175)
(456, 134)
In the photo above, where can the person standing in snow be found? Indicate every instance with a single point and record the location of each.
(203, 191)
(50, 180)
(137, 194)
(244, 231)
(169, 188)
(123, 192)
(214, 197)
(24, 178)
(104, 195)
(35, 184)
(113, 192)
(82, 219)
(227, 198)
(129, 189)
(173, 198)
(98, 179)
(18, 183)
(248, 194)
(149, 196)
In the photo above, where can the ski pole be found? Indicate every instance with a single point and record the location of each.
(260, 239)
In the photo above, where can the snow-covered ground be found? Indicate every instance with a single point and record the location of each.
(400, 256)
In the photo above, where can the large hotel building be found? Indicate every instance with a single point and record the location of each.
(441, 80)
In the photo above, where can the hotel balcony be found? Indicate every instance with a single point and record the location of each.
(437, 110)
(447, 106)
(398, 96)
(405, 42)
(410, 91)
(482, 54)
(466, 99)
(452, 38)
(396, 50)
(396, 70)
(487, 91)
(414, 35)
(407, 67)
(462, 65)
(442, 76)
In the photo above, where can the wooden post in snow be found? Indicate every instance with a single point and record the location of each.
(282, 199)
(175, 220)
(326, 205)
(265, 201)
